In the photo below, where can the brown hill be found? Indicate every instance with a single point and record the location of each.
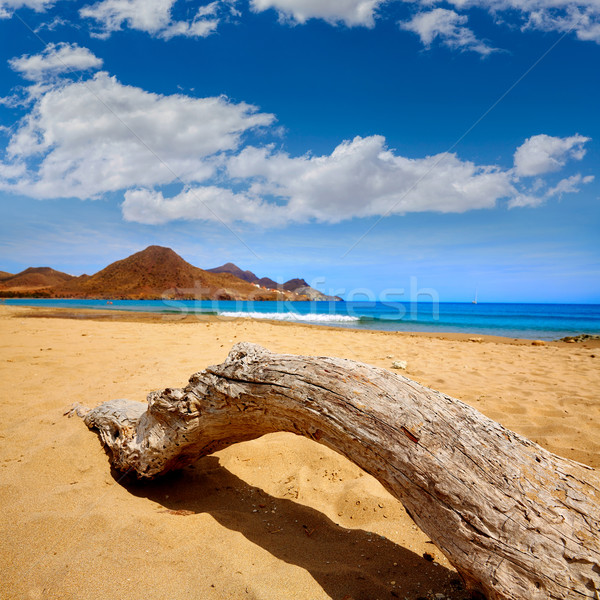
(158, 272)
(34, 279)
(268, 283)
(294, 284)
(249, 276)
(297, 286)
(5, 275)
(155, 272)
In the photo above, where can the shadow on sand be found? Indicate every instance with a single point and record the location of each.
(349, 563)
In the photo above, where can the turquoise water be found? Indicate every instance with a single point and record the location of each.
(529, 321)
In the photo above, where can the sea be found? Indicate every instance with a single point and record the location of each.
(527, 321)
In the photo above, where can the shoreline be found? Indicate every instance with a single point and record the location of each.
(100, 314)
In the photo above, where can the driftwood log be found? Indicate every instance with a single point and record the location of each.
(516, 521)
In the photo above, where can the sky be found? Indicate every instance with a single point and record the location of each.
(379, 149)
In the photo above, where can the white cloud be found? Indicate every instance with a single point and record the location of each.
(151, 16)
(362, 178)
(579, 16)
(525, 200)
(55, 23)
(11, 171)
(582, 17)
(145, 15)
(349, 12)
(208, 203)
(87, 138)
(200, 26)
(566, 17)
(8, 7)
(569, 185)
(544, 153)
(449, 28)
(56, 59)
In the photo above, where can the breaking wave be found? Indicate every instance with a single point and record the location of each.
(292, 316)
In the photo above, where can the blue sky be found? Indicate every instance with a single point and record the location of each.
(360, 144)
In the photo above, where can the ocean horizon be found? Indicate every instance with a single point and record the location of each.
(512, 320)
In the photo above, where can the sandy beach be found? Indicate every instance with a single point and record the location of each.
(279, 517)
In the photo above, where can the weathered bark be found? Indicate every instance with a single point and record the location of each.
(515, 520)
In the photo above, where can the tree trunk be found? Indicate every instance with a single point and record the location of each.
(516, 521)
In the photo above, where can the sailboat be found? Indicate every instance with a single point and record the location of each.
(474, 301)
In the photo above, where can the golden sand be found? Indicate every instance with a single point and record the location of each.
(280, 517)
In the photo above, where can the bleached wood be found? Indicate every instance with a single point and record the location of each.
(516, 521)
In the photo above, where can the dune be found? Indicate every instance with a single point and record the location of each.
(278, 517)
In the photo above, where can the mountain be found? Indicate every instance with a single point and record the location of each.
(295, 286)
(268, 283)
(5, 275)
(248, 276)
(157, 272)
(33, 279)
(265, 282)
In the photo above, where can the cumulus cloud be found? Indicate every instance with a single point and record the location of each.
(542, 153)
(448, 27)
(525, 200)
(569, 185)
(200, 26)
(151, 16)
(87, 138)
(145, 15)
(8, 7)
(579, 16)
(362, 178)
(582, 17)
(55, 60)
(349, 12)
(206, 203)
(536, 196)
(565, 17)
